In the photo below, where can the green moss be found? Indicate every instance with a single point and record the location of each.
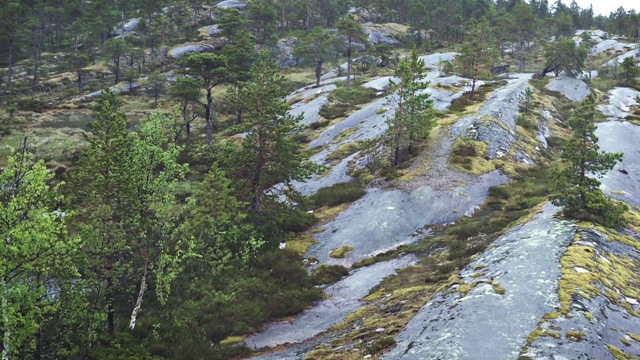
(625, 341)
(619, 354)
(576, 336)
(588, 316)
(468, 155)
(231, 340)
(344, 150)
(341, 252)
(498, 288)
(479, 267)
(300, 243)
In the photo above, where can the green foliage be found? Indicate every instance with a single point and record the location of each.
(350, 28)
(479, 49)
(34, 250)
(328, 274)
(235, 302)
(413, 117)
(524, 121)
(338, 194)
(563, 55)
(269, 155)
(211, 70)
(629, 72)
(576, 185)
(316, 48)
(126, 198)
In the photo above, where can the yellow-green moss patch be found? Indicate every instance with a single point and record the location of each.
(341, 252)
(575, 335)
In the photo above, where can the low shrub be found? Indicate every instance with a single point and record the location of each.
(342, 100)
(338, 194)
(327, 274)
(380, 345)
(524, 121)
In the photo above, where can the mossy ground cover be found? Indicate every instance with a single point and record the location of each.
(588, 271)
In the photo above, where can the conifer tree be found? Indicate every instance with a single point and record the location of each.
(479, 49)
(269, 155)
(212, 70)
(353, 31)
(316, 48)
(413, 118)
(629, 71)
(576, 185)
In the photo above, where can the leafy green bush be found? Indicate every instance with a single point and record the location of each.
(327, 274)
(338, 194)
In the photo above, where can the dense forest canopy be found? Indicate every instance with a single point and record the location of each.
(165, 232)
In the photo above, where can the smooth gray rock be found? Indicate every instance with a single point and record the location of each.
(610, 321)
(212, 30)
(612, 45)
(382, 34)
(620, 101)
(619, 59)
(309, 91)
(233, 4)
(369, 114)
(381, 83)
(502, 106)
(574, 89)
(485, 325)
(310, 110)
(344, 298)
(183, 49)
(337, 174)
(127, 27)
(598, 33)
(433, 60)
(383, 220)
(623, 182)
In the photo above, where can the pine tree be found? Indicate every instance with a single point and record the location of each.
(479, 49)
(629, 71)
(212, 70)
(316, 48)
(413, 118)
(576, 185)
(269, 155)
(352, 30)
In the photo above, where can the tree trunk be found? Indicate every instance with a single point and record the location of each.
(349, 64)
(257, 191)
(111, 327)
(9, 78)
(209, 116)
(6, 341)
(238, 116)
(475, 76)
(136, 309)
(318, 72)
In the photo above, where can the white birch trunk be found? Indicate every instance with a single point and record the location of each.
(136, 309)
(6, 341)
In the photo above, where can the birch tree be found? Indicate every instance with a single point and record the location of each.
(33, 232)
